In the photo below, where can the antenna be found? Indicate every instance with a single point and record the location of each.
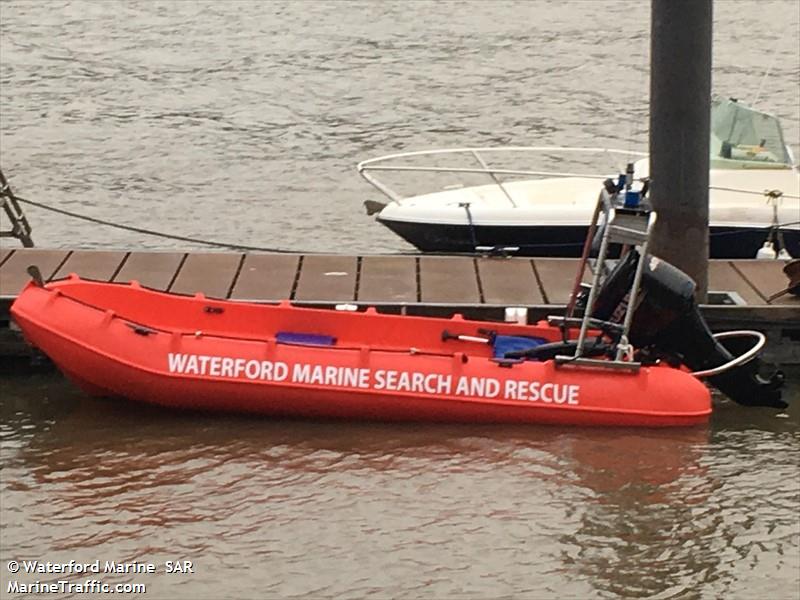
(769, 69)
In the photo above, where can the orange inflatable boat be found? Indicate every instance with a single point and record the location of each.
(126, 341)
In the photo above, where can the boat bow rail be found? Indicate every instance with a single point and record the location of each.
(616, 163)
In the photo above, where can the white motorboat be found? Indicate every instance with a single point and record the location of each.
(754, 193)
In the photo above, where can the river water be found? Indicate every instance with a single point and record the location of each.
(243, 123)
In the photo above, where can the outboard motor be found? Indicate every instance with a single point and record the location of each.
(668, 325)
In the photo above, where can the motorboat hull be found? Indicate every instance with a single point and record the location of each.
(194, 353)
(562, 240)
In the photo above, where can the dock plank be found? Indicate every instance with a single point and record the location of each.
(558, 276)
(768, 278)
(208, 273)
(448, 279)
(266, 277)
(99, 265)
(13, 275)
(327, 278)
(509, 281)
(154, 270)
(388, 279)
(5, 253)
(722, 277)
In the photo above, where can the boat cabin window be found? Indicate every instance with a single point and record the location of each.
(745, 138)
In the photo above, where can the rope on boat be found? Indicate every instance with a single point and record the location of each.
(161, 234)
(232, 246)
(764, 193)
(465, 206)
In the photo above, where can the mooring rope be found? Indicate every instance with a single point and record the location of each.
(232, 246)
(753, 192)
(161, 234)
(472, 235)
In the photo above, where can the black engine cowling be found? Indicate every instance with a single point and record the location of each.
(668, 324)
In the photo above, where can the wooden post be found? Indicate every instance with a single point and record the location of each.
(680, 105)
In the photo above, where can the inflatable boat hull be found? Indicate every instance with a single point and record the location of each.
(195, 353)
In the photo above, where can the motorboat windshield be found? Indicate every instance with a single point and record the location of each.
(745, 138)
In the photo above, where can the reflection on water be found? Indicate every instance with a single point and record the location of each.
(297, 509)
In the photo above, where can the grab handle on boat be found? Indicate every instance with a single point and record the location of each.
(140, 329)
(446, 335)
(507, 363)
(739, 360)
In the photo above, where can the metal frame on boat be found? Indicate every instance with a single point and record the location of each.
(632, 228)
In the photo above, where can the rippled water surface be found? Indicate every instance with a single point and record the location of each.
(243, 122)
(296, 509)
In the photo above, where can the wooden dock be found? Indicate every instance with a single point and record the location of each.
(427, 285)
